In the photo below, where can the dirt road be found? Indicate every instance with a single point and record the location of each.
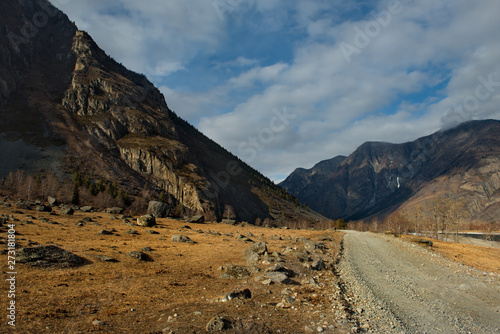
(397, 287)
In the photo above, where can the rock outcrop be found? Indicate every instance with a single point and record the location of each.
(87, 112)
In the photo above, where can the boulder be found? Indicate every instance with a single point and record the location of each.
(146, 221)
(114, 211)
(318, 264)
(86, 208)
(182, 238)
(43, 208)
(49, 256)
(218, 324)
(139, 256)
(158, 209)
(52, 201)
(198, 219)
(67, 210)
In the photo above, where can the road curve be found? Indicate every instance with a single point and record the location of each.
(398, 287)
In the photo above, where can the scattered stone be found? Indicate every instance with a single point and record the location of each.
(52, 201)
(105, 232)
(158, 209)
(277, 277)
(286, 301)
(67, 210)
(139, 256)
(244, 294)
(114, 210)
(198, 219)
(80, 224)
(318, 264)
(86, 208)
(146, 221)
(259, 248)
(152, 232)
(133, 232)
(105, 258)
(302, 256)
(217, 324)
(97, 322)
(43, 208)
(238, 272)
(182, 238)
(87, 219)
(49, 256)
(243, 238)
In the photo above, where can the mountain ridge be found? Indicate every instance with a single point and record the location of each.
(67, 106)
(379, 177)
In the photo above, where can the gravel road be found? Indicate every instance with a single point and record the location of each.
(394, 286)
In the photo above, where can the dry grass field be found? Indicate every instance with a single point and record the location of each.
(482, 258)
(178, 288)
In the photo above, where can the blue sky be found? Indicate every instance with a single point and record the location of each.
(287, 83)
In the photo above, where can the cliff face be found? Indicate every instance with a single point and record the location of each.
(379, 177)
(60, 94)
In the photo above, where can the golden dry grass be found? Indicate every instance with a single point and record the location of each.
(482, 258)
(182, 281)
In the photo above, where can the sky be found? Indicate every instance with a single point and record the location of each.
(287, 83)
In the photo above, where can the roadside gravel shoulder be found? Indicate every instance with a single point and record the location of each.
(394, 286)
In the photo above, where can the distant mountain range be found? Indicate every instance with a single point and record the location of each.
(66, 106)
(462, 163)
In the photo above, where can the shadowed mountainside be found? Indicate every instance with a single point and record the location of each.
(66, 106)
(462, 163)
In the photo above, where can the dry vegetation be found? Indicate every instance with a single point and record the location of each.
(177, 290)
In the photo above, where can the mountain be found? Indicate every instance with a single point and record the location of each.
(462, 163)
(66, 106)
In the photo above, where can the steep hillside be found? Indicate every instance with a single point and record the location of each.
(460, 163)
(66, 106)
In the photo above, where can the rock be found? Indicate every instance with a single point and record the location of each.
(312, 245)
(244, 238)
(105, 258)
(139, 256)
(217, 324)
(146, 221)
(158, 209)
(259, 248)
(229, 221)
(133, 232)
(198, 219)
(152, 232)
(52, 201)
(244, 294)
(182, 238)
(114, 211)
(49, 256)
(277, 277)
(97, 322)
(287, 301)
(147, 249)
(105, 232)
(67, 210)
(318, 264)
(302, 256)
(43, 208)
(86, 208)
(252, 257)
(236, 271)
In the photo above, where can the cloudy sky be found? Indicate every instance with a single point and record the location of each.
(288, 83)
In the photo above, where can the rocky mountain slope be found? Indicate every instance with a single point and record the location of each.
(462, 163)
(66, 106)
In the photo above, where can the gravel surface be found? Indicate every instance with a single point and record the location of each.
(394, 286)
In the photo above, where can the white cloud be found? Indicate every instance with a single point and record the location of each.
(421, 64)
